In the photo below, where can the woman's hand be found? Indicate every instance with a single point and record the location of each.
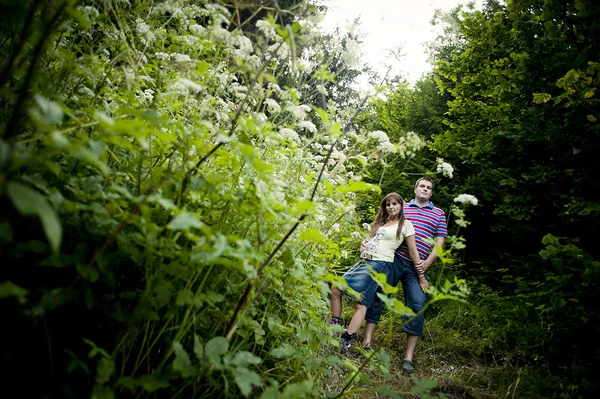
(363, 245)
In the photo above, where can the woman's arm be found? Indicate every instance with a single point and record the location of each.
(412, 249)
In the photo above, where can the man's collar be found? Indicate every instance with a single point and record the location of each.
(413, 203)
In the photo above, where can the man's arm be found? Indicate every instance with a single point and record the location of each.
(423, 266)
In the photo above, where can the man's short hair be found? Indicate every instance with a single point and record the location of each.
(425, 178)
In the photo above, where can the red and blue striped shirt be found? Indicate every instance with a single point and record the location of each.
(429, 223)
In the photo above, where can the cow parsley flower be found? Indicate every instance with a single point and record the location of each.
(379, 136)
(466, 199)
(266, 29)
(444, 167)
(308, 125)
(289, 134)
(272, 106)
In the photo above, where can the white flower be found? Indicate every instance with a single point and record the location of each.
(272, 106)
(366, 226)
(183, 85)
(196, 29)
(356, 235)
(143, 29)
(445, 168)
(180, 57)
(148, 94)
(261, 118)
(266, 29)
(344, 253)
(410, 144)
(321, 89)
(335, 227)
(379, 136)
(161, 56)
(289, 134)
(308, 125)
(466, 199)
(385, 147)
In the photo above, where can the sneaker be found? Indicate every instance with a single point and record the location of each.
(408, 367)
(347, 341)
(368, 349)
(336, 320)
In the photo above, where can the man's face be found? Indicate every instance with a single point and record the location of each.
(423, 191)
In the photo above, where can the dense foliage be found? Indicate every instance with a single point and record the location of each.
(512, 106)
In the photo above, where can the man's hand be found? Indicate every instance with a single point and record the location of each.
(423, 265)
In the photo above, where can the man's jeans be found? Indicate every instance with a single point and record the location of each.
(414, 297)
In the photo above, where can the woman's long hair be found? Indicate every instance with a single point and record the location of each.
(383, 215)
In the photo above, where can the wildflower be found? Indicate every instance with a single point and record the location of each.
(385, 147)
(410, 144)
(182, 85)
(146, 35)
(466, 199)
(321, 89)
(308, 125)
(356, 235)
(289, 134)
(180, 57)
(161, 56)
(272, 106)
(335, 227)
(444, 167)
(299, 111)
(379, 136)
(366, 226)
(266, 29)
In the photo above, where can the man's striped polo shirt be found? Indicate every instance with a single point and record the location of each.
(429, 222)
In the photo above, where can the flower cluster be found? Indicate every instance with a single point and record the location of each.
(444, 167)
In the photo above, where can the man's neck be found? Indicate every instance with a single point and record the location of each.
(421, 204)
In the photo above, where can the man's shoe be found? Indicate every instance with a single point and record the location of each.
(408, 367)
(347, 341)
(337, 321)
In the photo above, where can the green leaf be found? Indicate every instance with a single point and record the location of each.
(285, 350)
(106, 368)
(8, 289)
(182, 362)
(215, 348)
(355, 186)
(305, 206)
(298, 390)
(100, 392)
(387, 391)
(311, 235)
(30, 202)
(246, 379)
(271, 393)
(184, 221)
(49, 111)
(245, 358)
(198, 348)
(148, 383)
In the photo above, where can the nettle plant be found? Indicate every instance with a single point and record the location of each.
(176, 196)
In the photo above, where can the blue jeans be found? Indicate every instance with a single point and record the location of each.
(414, 297)
(359, 279)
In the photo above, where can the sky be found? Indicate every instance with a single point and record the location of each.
(388, 24)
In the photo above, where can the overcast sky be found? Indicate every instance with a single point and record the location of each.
(387, 24)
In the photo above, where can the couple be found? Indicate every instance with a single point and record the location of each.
(400, 246)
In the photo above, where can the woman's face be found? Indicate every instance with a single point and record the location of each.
(393, 207)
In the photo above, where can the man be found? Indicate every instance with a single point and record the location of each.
(429, 223)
